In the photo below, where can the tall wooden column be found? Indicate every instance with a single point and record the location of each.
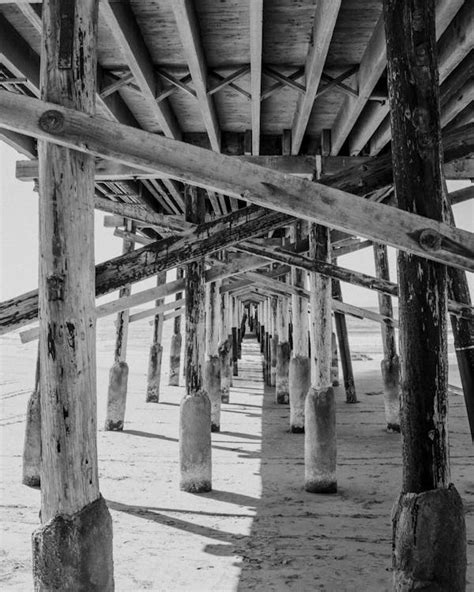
(282, 353)
(176, 341)
(300, 373)
(235, 337)
(195, 411)
(213, 362)
(72, 549)
(274, 339)
(344, 349)
(390, 364)
(320, 408)
(118, 376)
(156, 350)
(429, 538)
(32, 442)
(224, 347)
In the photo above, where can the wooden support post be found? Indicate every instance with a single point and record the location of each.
(274, 339)
(156, 350)
(240, 335)
(390, 364)
(344, 349)
(334, 361)
(235, 339)
(72, 549)
(320, 408)
(268, 338)
(176, 341)
(195, 411)
(225, 348)
(32, 443)
(118, 376)
(429, 536)
(212, 383)
(282, 354)
(299, 374)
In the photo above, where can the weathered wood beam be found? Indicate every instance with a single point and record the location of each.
(340, 273)
(122, 23)
(371, 67)
(461, 195)
(237, 265)
(325, 17)
(292, 195)
(188, 28)
(256, 39)
(160, 256)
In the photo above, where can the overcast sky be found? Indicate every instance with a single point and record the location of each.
(19, 238)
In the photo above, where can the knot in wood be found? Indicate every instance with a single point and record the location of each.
(52, 121)
(430, 240)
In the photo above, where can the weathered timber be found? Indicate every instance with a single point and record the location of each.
(459, 309)
(390, 365)
(312, 201)
(224, 347)
(195, 410)
(176, 340)
(212, 372)
(75, 520)
(320, 409)
(118, 376)
(32, 442)
(344, 348)
(282, 353)
(149, 260)
(427, 499)
(156, 350)
(299, 371)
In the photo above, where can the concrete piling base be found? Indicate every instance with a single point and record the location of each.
(32, 443)
(320, 441)
(299, 382)
(282, 369)
(117, 396)
(212, 383)
(429, 542)
(195, 443)
(154, 374)
(391, 387)
(175, 359)
(74, 554)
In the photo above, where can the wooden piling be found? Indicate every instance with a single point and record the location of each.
(195, 410)
(118, 376)
(32, 442)
(224, 348)
(429, 538)
(390, 364)
(212, 382)
(344, 349)
(273, 340)
(320, 407)
(334, 361)
(299, 372)
(282, 354)
(156, 350)
(72, 549)
(176, 341)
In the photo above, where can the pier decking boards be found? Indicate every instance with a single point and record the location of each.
(240, 150)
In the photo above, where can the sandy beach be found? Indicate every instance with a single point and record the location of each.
(258, 529)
